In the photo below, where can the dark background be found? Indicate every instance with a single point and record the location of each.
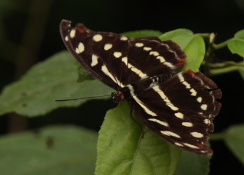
(30, 33)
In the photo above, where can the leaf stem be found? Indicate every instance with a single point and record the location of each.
(223, 70)
(222, 64)
(204, 35)
(221, 45)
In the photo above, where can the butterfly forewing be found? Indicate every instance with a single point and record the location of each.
(178, 108)
(121, 59)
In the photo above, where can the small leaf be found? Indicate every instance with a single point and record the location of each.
(193, 46)
(122, 150)
(56, 150)
(142, 33)
(235, 141)
(180, 36)
(56, 78)
(195, 51)
(192, 164)
(236, 44)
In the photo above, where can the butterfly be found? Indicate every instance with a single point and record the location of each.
(180, 107)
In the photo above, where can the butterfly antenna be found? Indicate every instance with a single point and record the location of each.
(99, 96)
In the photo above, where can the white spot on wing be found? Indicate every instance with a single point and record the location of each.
(154, 53)
(97, 37)
(161, 59)
(139, 44)
(179, 115)
(139, 102)
(94, 60)
(169, 65)
(187, 85)
(178, 144)
(199, 99)
(125, 60)
(191, 146)
(134, 69)
(204, 107)
(159, 121)
(72, 33)
(197, 134)
(80, 48)
(107, 46)
(106, 71)
(147, 48)
(169, 133)
(207, 121)
(193, 92)
(123, 38)
(117, 54)
(187, 124)
(165, 98)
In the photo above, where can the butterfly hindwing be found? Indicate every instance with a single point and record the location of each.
(174, 116)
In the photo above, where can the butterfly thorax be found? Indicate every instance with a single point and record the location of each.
(138, 87)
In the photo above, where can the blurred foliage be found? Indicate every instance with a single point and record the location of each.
(50, 150)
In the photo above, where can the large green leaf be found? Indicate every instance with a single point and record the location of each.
(235, 140)
(122, 150)
(192, 164)
(236, 44)
(193, 46)
(56, 78)
(58, 150)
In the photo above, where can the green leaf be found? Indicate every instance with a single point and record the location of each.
(83, 74)
(122, 150)
(181, 36)
(236, 44)
(193, 46)
(235, 141)
(56, 78)
(57, 150)
(142, 33)
(192, 164)
(195, 51)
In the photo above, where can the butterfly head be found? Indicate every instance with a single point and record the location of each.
(117, 96)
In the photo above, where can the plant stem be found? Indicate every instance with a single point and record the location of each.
(217, 136)
(221, 45)
(223, 70)
(204, 35)
(223, 64)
